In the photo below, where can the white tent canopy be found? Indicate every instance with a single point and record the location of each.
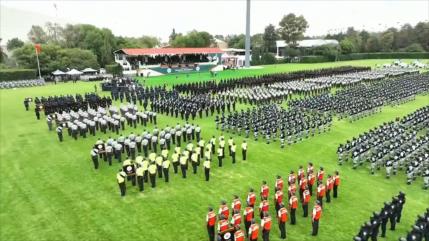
(74, 72)
(89, 70)
(58, 72)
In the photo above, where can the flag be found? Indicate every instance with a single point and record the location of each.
(38, 48)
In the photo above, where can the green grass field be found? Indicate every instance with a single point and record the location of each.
(50, 190)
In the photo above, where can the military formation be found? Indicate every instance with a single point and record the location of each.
(272, 123)
(400, 145)
(364, 99)
(377, 224)
(21, 83)
(303, 186)
(420, 230)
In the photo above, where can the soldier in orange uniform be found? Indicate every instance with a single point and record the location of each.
(236, 219)
(223, 209)
(329, 187)
(317, 214)
(336, 183)
(248, 217)
(279, 183)
(211, 221)
(302, 186)
(238, 235)
(236, 204)
(266, 227)
(293, 205)
(253, 231)
(320, 174)
(223, 224)
(263, 207)
(282, 216)
(311, 179)
(292, 178)
(305, 200)
(264, 190)
(251, 198)
(321, 190)
(278, 199)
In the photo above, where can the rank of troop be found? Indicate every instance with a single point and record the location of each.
(303, 187)
(420, 230)
(273, 122)
(402, 144)
(149, 155)
(364, 99)
(113, 120)
(391, 211)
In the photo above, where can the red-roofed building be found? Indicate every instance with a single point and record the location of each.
(167, 60)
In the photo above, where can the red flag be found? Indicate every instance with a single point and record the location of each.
(38, 48)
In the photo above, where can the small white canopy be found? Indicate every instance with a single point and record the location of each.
(89, 70)
(74, 72)
(308, 43)
(58, 72)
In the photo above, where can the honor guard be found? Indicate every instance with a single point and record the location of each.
(152, 174)
(251, 198)
(253, 231)
(264, 190)
(317, 213)
(336, 183)
(248, 217)
(211, 221)
(120, 177)
(166, 169)
(282, 216)
(293, 205)
(266, 226)
(305, 200)
(244, 149)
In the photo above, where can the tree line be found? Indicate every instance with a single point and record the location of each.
(84, 45)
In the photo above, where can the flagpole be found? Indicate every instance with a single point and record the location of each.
(38, 64)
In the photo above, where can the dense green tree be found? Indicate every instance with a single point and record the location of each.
(373, 44)
(386, 40)
(270, 36)
(193, 39)
(14, 43)
(37, 35)
(236, 41)
(421, 32)
(292, 28)
(415, 47)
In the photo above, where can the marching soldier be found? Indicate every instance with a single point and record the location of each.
(263, 207)
(175, 160)
(253, 231)
(152, 174)
(183, 165)
(109, 154)
(426, 179)
(220, 155)
(233, 149)
(248, 217)
(305, 200)
(282, 216)
(223, 209)
(279, 183)
(140, 178)
(266, 226)
(94, 157)
(336, 183)
(158, 161)
(194, 160)
(244, 149)
(120, 177)
(211, 221)
(230, 142)
(236, 219)
(222, 225)
(60, 133)
(236, 204)
(278, 199)
(317, 213)
(206, 165)
(293, 205)
(251, 198)
(239, 234)
(264, 190)
(310, 183)
(166, 169)
(321, 190)
(329, 187)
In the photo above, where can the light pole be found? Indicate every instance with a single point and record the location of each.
(247, 42)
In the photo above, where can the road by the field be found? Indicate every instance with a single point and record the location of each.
(50, 190)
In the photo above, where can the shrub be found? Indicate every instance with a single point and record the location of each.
(17, 74)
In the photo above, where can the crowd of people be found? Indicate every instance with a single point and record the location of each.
(21, 83)
(398, 145)
(363, 99)
(299, 190)
(67, 103)
(391, 211)
(213, 86)
(272, 122)
(112, 119)
(420, 230)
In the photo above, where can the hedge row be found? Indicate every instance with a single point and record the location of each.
(17, 74)
(389, 55)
